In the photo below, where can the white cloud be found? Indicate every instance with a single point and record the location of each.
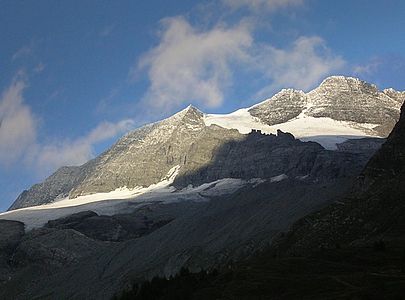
(300, 66)
(369, 68)
(18, 135)
(39, 67)
(23, 51)
(262, 5)
(192, 66)
(195, 66)
(17, 123)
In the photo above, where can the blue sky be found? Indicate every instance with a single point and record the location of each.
(76, 75)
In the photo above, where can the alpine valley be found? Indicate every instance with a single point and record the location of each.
(291, 176)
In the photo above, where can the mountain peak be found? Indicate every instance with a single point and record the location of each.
(189, 110)
(340, 79)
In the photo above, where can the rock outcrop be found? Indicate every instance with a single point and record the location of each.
(282, 107)
(116, 228)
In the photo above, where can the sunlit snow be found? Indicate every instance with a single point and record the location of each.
(325, 131)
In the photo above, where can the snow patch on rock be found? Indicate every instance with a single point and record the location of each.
(325, 131)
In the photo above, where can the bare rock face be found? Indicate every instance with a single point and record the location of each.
(58, 185)
(350, 99)
(284, 106)
(266, 156)
(365, 145)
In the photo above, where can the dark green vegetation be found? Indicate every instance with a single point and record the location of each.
(352, 273)
(352, 249)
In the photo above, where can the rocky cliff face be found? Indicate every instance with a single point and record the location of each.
(350, 99)
(284, 106)
(58, 185)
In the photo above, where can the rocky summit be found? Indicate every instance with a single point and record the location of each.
(338, 98)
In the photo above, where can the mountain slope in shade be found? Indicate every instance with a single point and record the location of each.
(373, 211)
(339, 109)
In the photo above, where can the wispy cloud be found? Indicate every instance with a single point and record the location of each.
(369, 68)
(39, 67)
(18, 124)
(107, 30)
(197, 66)
(19, 131)
(25, 50)
(68, 152)
(300, 66)
(262, 5)
(189, 65)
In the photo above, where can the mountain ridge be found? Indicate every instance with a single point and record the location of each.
(143, 156)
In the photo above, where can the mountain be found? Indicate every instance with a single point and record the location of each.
(199, 191)
(341, 108)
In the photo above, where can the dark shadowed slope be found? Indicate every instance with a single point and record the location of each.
(374, 210)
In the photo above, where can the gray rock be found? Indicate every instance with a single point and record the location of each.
(54, 248)
(365, 145)
(58, 185)
(115, 228)
(284, 106)
(70, 221)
